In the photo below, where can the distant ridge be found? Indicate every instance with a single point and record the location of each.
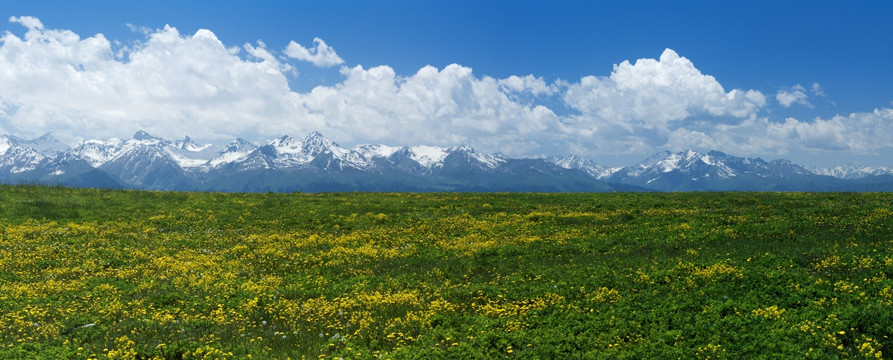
(314, 163)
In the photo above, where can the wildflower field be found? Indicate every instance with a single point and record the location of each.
(158, 275)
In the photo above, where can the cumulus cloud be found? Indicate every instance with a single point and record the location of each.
(864, 132)
(640, 104)
(654, 93)
(320, 55)
(794, 95)
(172, 85)
(433, 106)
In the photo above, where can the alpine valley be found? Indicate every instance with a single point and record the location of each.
(316, 164)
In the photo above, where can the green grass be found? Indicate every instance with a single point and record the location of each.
(126, 274)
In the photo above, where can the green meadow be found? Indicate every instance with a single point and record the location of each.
(169, 275)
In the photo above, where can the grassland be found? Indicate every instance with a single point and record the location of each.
(124, 275)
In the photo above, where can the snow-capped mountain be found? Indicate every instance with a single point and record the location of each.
(311, 163)
(234, 151)
(292, 152)
(315, 163)
(18, 156)
(148, 165)
(46, 145)
(49, 161)
(690, 162)
(17, 160)
(851, 171)
(588, 166)
(691, 170)
(184, 152)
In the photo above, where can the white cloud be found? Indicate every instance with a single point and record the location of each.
(858, 133)
(864, 132)
(637, 108)
(439, 107)
(140, 29)
(171, 85)
(260, 52)
(30, 22)
(533, 85)
(655, 93)
(321, 55)
(794, 95)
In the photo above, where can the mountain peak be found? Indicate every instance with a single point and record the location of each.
(715, 153)
(851, 171)
(238, 145)
(570, 162)
(314, 134)
(142, 135)
(46, 145)
(188, 145)
(427, 155)
(317, 140)
(45, 138)
(654, 159)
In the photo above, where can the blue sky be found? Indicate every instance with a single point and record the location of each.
(808, 81)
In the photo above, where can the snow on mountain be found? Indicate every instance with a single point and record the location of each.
(5, 144)
(46, 145)
(489, 161)
(653, 159)
(288, 151)
(715, 171)
(315, 143)
(691, 159)
(187, 145)
(185, 160)
(694, 165)
(20, 159)
(304, 150)
(691, 162)
(237, 149)
(19, 155)
(98, 152)
(184, 152)
(376, 151)
(149, 162)
(187, 154)
(428, 156)
(851, 171)
(587, 166)
(431, 157)
(291, 151)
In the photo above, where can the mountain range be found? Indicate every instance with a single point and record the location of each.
(315, 164)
